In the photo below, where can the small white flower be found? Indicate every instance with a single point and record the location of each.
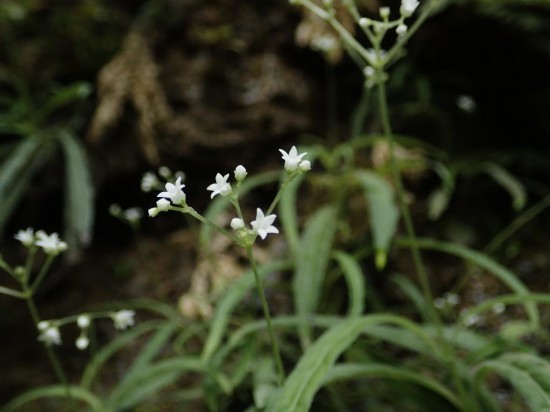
(26, 237)
(123, 319)
(149, 181)
(165, 172)
(237, 223)
(152, 212)
(466, 103)
(240, 173)
(162, 205)
(499, 308)
(401, 30)
(263, 225)
(384, 12)
(369, 71)
(364, 22)
(50, 336)
(408, 7)
(51, 244)
(83, 321)
(174, 192)
(221, 187)
(82, 342)
(376, 58)
(292, 158)
(115, 210)
(305, 165)
(43, 325)
(133, 214)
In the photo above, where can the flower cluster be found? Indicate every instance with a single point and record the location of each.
(50, 334)
(174, 198)
(51, 244)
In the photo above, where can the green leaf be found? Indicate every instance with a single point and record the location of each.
(484, 262)
(229, 301)
(121, 342)
(79, 193)
(311, 264)
(16, 173)
(374, 370)
(62, 97)
(154, 346)
(414, 294)
(306, 379)
(150, 380)
(536, 397)
(537, 367)
(288, 214)
(383, 212)
(512, 185)
(356, 283)
(57, 391)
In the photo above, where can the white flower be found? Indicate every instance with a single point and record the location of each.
(237, 223)
(162, 205)
(305, 165)
(165, 172)
(384, 12)
(149, 181)
(364, 22)
(123, 319)
(465, 103)
(401, 29)
(174, 192)
(263, 224)
(43, 325)
(51, 244)
(240, 173)
(292, 158)
(376, 58)
(115, 210)
(153, 211)
(82, 342)
(50, 336)
(83, 321)
(221, 187)
(26, 237)
(133, 214)
(408, 7)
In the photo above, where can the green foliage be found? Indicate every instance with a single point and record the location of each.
(27, 123)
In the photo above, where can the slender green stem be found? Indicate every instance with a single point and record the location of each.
(40, 277)
(58, 369)
(516, 224)
(202, 219)
(265, 308)
(420, 269)
(405, 212)
(277, 197)
(11, 292)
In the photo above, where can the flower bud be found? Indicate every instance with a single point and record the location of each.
(237, 223)
(153, 212)
(163, 205)
(305, 165)
(83, 321)
(240, 173)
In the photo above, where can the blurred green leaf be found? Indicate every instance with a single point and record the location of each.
(512, 185)
(383, 212)
(311, 264)
(57, 391)
(79, 192)
(537, 398)
(356, 283)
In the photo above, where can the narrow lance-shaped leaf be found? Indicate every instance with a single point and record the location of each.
(311, 264)
(383, 212)
(79, 193)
